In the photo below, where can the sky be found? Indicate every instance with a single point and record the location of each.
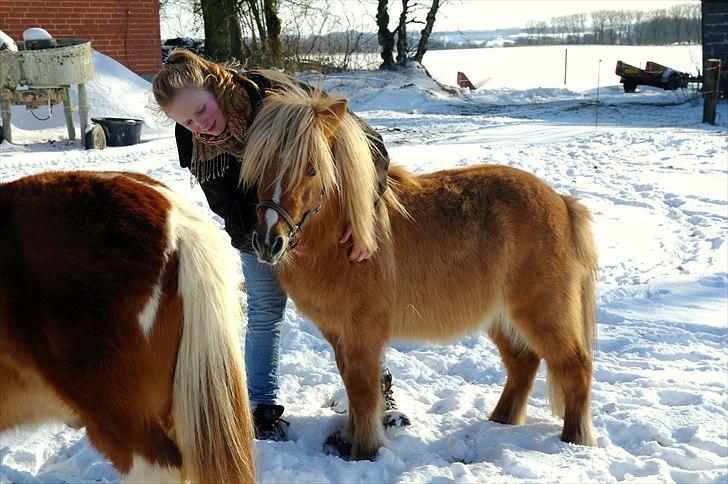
(454, 15)
(494, 14)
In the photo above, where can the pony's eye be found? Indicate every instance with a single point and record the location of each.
(311, 172)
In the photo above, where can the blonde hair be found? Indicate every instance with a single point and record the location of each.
(185, 69)
(286, 131)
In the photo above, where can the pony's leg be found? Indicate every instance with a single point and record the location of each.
(521, 366)
(135, 448)
(555, 334)
(358, 355)
(333, 339)
(25, 399)
(569, 384)
(144, 471)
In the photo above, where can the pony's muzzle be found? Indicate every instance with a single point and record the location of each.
(268, 250)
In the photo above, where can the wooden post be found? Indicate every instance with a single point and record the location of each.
(566, 58)
(5, 115)
(68, 111)
(710, 90)
(82, 111)
(596, 111)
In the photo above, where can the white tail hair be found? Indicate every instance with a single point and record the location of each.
(212, 421)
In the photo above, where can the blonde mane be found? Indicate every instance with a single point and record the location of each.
(291, 132)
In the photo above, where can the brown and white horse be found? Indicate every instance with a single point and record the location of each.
(487, 248)
(119, 313)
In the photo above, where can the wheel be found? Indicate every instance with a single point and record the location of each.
(630, 86)
(673, 82)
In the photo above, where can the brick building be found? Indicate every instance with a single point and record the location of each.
(715, 37)
(126, 30)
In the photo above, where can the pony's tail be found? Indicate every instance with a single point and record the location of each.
(586, 259)
(586, 254)
(213, 426)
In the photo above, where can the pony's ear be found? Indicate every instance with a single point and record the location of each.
(332, 116)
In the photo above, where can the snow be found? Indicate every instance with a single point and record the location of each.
(543, 66)
(7, 42)
(656, 180)
(36, 33)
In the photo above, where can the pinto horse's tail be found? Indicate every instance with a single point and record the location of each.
(213, 426)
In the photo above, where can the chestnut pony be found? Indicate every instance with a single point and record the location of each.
(487, 248)
(119, 313)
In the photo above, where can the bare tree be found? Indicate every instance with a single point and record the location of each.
(639, 17)
(677, 20)
(559, 27)
(273, 27)
(633, 27)
(694, 15)
(425, 33)
(173, 14)
(402, 34)
(316, 38)
(599, 23)
(223, 36)
(576, 25)
(530, 31)
(384, 35)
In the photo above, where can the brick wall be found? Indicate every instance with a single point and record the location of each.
(715, 37)
(126, 30)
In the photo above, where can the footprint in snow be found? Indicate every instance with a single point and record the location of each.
(676, 398)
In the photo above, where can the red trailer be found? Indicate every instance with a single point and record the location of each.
(653, 74)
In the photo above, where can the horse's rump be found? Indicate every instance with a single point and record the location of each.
(506, 234)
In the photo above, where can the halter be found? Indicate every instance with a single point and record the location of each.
(295, 229)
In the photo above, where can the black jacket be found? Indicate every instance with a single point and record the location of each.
(236, 206)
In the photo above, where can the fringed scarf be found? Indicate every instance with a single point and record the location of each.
(211, 155)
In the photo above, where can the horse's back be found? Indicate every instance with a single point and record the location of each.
(480, 241)
(79, 234)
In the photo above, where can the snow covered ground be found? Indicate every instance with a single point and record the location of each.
(656, 180)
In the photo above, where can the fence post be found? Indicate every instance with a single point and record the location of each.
(710, 90)
(566, 58)
(596, 110)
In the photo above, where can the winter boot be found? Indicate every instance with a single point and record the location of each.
(391, 416)
(268, 423)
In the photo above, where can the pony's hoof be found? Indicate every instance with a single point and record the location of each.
(395, 419)
(336, 444)
(360, 454)
(583, 437)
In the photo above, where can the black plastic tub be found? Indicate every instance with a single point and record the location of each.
(120, 131)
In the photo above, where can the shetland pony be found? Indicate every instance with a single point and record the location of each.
(487, 248)
(118, 313)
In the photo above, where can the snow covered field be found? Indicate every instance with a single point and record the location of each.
(543, 66)
(656, 180)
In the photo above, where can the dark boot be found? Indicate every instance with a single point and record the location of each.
(268, 423)
(391, 417)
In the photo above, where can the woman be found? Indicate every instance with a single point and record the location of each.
(213, 107)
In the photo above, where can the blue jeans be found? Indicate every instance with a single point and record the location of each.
(266, 304)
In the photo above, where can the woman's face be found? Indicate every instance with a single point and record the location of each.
(197, 109)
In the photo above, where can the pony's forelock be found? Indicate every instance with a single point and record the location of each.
(285, 132)
(290, 131)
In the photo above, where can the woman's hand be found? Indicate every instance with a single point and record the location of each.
(358, 253)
